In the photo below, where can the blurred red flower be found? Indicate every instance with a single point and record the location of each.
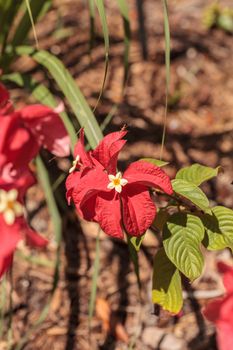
(102, 194)
(23, 132)
(13, 225)
(220, 311)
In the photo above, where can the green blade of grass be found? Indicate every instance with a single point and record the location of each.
(103, 19)
(91, 4)
(91, 306)
(57, 223)
(124, 10)
(32, 22)
(71, 91)
(167, 62)
(34, 10)
(43, 95)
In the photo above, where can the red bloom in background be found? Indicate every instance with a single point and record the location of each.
(115, 201)
(220, 311)
(13, 225)
(23, 132)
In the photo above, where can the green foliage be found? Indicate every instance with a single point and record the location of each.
(166, 289)
(197, 174)
(219, 228)
(191, 192)
(41, 93)
(219, 16)
(182, 236)
(157, 162)
(71, 91)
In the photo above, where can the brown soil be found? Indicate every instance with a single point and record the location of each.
(199, 129)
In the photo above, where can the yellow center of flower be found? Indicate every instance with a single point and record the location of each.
(10, 208)
(116, 182)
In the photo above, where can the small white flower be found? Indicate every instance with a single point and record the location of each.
(9, 206)
(116, 182)
(74, 164)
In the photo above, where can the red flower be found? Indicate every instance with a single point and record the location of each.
(115, 201)
(13, 225)
(23, 132)
(5, 105)
(220, 311)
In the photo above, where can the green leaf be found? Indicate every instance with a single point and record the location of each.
(182, 236)
(124, 10)
(91, 4)
(71, 91)
(157, 162)
(160, 219)
(37, 10)
(166, 289)
(168, 64)
(136, 241)
(191, 192)
(43, 95)
(219, 228)
(197, 173)
(91, 305)
(103, 19)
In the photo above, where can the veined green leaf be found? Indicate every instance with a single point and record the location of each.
(157, 162)
(124, 10)
(197, 173)
(43, 95)
(219, 228)
(71, 91)
(166, 289)
(191, 192)
(182, 236)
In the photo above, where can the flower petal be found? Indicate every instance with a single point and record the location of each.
(138, 209)
(33, 239)
(17, 144)
(48, 128)
(212, 310)
(79, 150)
(71, 182)
(9, 238)
(147, 174)
(95, 180)
(227, 272)
(107, 151)
(108, 214)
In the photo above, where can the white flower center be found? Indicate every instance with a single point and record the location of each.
(10, 208)
(116, 182)
(76, 162)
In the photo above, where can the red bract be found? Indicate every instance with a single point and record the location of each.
(23, 132)
(114, 200)
(220, 311)
(13, 225)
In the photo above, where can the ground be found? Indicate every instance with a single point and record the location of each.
(199, 129)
